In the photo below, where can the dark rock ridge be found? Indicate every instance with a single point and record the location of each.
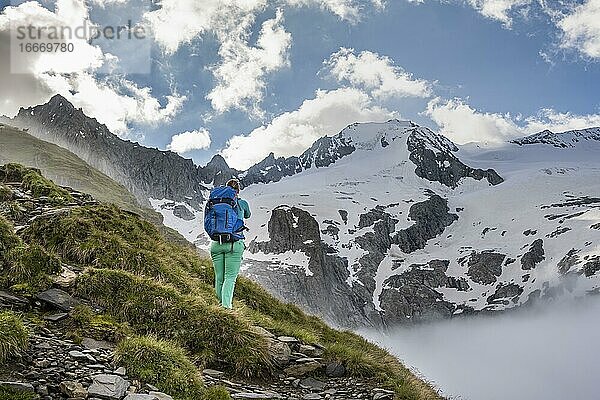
(534, 255)
(322, 291)
(411, 296)
(322, 153)
(561, 140)
(484, 267)
(146, 172)
(432, 154)
(431, 217)
(504, 293)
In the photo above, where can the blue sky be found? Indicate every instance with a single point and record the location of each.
(475, 70)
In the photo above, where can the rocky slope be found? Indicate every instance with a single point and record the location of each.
(116, 312)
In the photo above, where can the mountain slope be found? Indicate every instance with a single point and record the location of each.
(147, 173)
(120, 280)
(399, 224)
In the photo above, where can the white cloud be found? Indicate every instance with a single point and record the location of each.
(116, 102)
(242, 71)
(581, 28)
(191, 140)
(376, 74)
(498, 9)
(349, 10)
(559, 122)
(463, 124)
(293, 132)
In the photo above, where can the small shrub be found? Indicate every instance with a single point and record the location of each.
(13, 336)
(97, 326)
(160, 363)
(207, 331)
(6, 193)
(28, 268)
(216, 393)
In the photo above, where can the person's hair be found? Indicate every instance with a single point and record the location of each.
(235, 184)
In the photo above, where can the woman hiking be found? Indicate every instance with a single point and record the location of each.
(224, 222)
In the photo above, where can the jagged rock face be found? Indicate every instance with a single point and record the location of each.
(561, 140)
(485, 267)
(322, 153)
(591, 267)
(534, 256)
(324, 290)
(504, 293)
(431, 218)
(411, 296)
(432, 154)
(145, 172)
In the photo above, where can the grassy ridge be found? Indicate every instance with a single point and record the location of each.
(159, 294)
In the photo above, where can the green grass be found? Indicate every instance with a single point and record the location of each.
(163, 363)
(24, 268)
(11, 394)
(216, 393)
(13, 336)
(87, 323)
(67, 169)
(33, 180)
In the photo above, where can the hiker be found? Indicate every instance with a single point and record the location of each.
(224, 222)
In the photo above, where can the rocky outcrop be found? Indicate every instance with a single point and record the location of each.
(592, 266)
(484, 267)
(319, 287)
(411, 296)
(561, 140)
(431, 219)
(505, 293)
(432, 155)
(568, 261)
(533, 256)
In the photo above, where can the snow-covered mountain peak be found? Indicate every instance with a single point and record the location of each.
(373, 135)
(566, 139)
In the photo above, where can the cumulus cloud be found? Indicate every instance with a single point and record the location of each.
(376, 74)
(581, 29)
(190, 140)
(241, 73)
(499, 10)
(463, 124)
(345, 9)
(293, 132)
(114, 101)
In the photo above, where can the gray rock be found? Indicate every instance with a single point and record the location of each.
(213, 373)
(335, 370)
(8, 300)
(120, 371)
(303, 369)
(534, 255)
(280, 352)
(109, 387)
(250, 395)
(73, 389)
(485, 267)
(591, 267)
(58, 298)
(93, 344)
(56, 317)
(138, 396)
(312, 384)
(183, 212)
(312, 396)
(160, 395)
(510, 291)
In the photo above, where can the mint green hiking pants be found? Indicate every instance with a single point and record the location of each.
(227, 260)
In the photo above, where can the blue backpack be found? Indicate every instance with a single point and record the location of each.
(221, 220)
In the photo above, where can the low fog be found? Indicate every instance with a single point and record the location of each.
(550, 353)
